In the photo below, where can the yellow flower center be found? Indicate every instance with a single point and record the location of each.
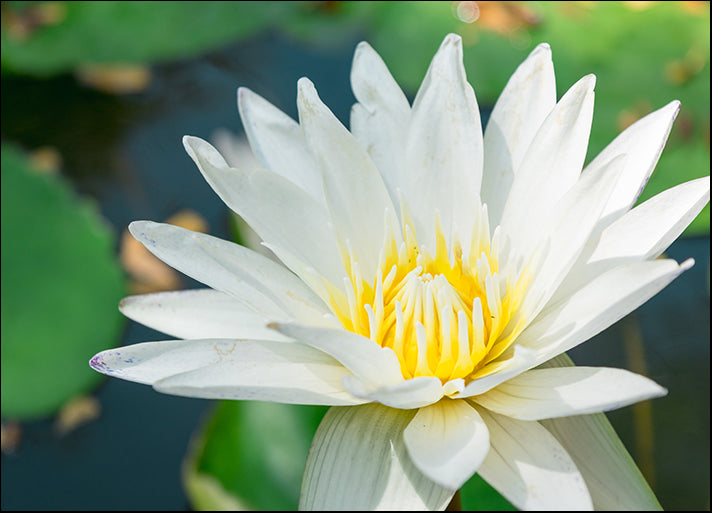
(447, 315)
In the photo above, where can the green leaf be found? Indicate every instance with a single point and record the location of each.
(80, 33)
(477, 495)
(61, 285)
(250, 455)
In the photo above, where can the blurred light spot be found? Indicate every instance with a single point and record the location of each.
(22, 21)
(46, 160)
(632, 114)
(77, 412)
(698, 7)
(500, 17)
(639, 5)
(520, 38)
(115, 79)
(468, 12)
(10, 436)
(681, 71)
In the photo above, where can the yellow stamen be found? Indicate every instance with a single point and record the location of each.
(449, 315)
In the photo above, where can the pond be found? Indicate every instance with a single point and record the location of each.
(126, 152)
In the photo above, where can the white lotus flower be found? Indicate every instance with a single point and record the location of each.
(433, 279)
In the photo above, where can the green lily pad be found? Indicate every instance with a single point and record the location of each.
(251, 454)
(477, 495)
(61, 285)
(79, 33)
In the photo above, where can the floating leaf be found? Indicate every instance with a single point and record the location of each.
(61, 286)
(252, 454)
(124, 32)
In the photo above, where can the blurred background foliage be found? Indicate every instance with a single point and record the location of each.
(65, 267)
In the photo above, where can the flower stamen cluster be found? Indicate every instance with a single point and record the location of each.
(446, 315)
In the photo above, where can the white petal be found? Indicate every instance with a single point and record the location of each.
(528, 97)
(547, 393)
(551, 165)
(444, 148)
(231, 369)
(376, 366)
(259, 370)
(447, 441)
(278, 143)
(358, 462)
(380, 120)
(612, 477)
(569, 228)
(597, 305)
(406, 395)
(262, 285)
(203, 313)
(643, 142)
(641, 234)
(529, 467)
(355, 193)
(279, 211)
(521, 360)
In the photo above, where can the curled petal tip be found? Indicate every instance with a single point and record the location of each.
(304, 84)
(687, 264)
(589, 81)
(452, 39)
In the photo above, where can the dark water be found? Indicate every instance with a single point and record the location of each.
(126, 152)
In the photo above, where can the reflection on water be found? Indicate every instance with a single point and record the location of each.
(127, 153)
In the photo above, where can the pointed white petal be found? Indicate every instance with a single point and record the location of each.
(204, 313)
(279, 211)
(381, 117)
(231, 369)
(547, 393)
(376, 366)
(408, 394)
(643, 142)
(355, 193)
(521, 360)
(641, 234)
(262, 285)
(529, 467)
(570, 226)
(551, 165)
(528, 97)
(596, 306)
(612, 477)
(444, 148)
(447, 441)
(278, 143)
(358, 462)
